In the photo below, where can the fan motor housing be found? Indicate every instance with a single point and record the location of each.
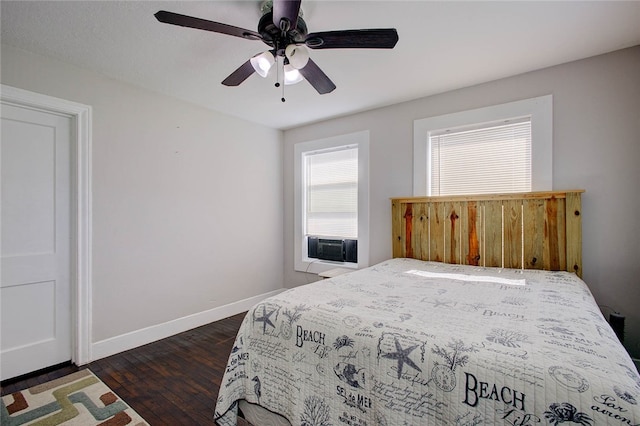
(274, 37)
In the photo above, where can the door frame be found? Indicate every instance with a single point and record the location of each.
(80, 192)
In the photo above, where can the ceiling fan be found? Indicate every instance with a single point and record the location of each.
(285, 32)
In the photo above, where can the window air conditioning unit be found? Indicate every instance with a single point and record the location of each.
(330, 249)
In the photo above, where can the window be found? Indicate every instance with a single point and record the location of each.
(494, 158)
(331, 196)
(331, 192)
(502, 148)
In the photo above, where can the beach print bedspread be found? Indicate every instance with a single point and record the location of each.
(407, 342)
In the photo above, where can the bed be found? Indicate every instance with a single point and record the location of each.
(480, 317)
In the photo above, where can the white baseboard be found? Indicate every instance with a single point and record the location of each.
(124, 342)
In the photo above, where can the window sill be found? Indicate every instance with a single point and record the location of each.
(331, 273)
(317, 266)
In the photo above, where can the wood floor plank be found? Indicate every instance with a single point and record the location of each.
(173, 381)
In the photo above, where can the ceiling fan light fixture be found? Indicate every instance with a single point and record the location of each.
(282, 28)
(298, 56)
(292, 75)
(262, 63)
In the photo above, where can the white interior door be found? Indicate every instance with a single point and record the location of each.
(35, 297)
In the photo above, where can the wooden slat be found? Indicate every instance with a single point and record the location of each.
(452, 232)
(533, 229)
(436, 239)
(470, 228)
(492, 210)
(420, 238)
(562, 234)
(574, 233)
(513, 234)
(408, 230)
(396, 229)
(554, 237)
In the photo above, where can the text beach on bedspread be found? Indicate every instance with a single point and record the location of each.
(408, 342)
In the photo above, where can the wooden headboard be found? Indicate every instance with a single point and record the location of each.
(533, 230)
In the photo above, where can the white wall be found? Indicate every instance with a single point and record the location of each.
(187, 203)
(596, 114)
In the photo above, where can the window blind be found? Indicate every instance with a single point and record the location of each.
(491, 159)
(331, 192)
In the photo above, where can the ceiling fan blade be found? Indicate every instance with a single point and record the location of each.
(317, 78)
(287, 10)
(382, 38)
(241, 74)
(202, 24)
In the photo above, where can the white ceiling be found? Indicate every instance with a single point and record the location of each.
(443, 45)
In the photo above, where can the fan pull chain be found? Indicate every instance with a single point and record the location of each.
(278, 77)
(283, 61)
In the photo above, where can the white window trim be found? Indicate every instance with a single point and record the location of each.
(539, 109)
(303, 263)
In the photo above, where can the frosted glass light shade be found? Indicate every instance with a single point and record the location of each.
(292, 75)
(262, 63)
(298, 56)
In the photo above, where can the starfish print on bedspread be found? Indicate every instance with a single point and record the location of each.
(402, 355)
(264, 319)
(438, 302)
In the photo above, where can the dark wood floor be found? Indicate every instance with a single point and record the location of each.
(174, 381)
